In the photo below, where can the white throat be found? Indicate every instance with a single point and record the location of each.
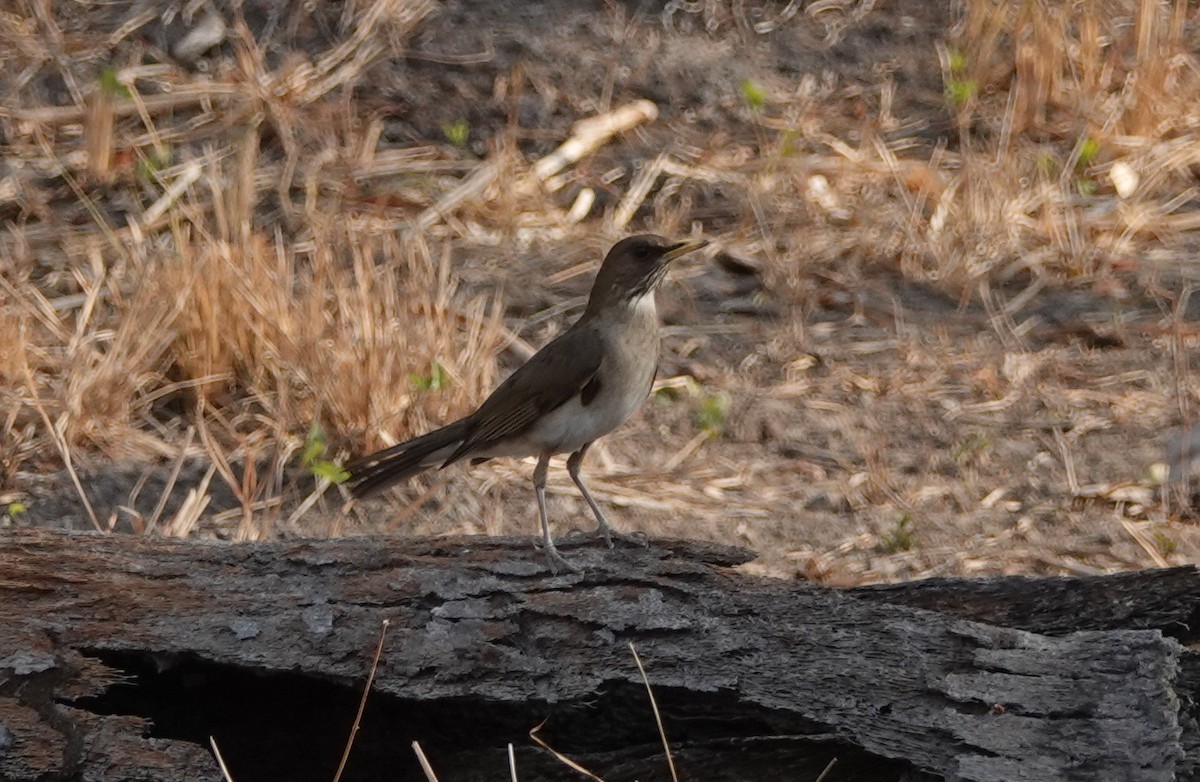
(644, 305)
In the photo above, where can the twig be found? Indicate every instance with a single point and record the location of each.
(183, 96)
(638, 191)
(60, 442)
(220, 760)
(174, 476)
(1139, 535)
(657, 717)
(589, 134)
(1068, 462)
(424, 761)
(469, 188)
(323, 485)
(156, 210)
(533, 734)
(362, 703)
(685, 452)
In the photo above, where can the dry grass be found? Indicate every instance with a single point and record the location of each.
(201, 313)
(208, 266)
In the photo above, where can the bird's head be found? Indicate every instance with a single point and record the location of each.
(634, 267)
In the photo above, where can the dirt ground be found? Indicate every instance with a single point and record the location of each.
(847, 413)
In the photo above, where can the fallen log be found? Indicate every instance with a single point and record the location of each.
(120, 656)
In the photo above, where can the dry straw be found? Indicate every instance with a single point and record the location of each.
(205, 266)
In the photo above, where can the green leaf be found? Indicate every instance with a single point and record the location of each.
(16, 509)
(1047, 165)
(314, 445)
(457, 132)
(1088, 152)
(110, 83)
(314, 449)
(958, 61)
(755, 96)
(666, 395)
(712, 413)
(436, 380)
(330, 471)
(787, 143)
(901, 537)
(959, 91)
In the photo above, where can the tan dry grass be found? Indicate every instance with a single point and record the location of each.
(278, 269)
(1100, 68)
(197, 307)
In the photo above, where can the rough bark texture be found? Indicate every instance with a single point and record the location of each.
(119, 656)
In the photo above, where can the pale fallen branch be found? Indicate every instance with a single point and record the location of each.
(592, 133)
(469, 188)
(588, 135)
(155, 211)
(127, 107)
(642, 184)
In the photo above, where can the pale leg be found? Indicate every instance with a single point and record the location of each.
(574, 462)
(553, 558)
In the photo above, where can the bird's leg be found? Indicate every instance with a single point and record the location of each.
(553, 558)
(604, 529)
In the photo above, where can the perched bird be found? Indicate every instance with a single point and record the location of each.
(579, 387)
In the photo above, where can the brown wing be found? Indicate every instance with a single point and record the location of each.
(554, 375)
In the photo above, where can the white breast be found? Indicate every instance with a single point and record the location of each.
(572, 426)
(645, 306)
(625, 377)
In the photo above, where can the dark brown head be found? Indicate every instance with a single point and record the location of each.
(634, 267)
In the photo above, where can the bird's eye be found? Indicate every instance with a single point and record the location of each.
(642, 253)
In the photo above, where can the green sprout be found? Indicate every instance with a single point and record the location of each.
(959, 91)
(436, 380)
(1087, 153)
(957, 60)
(968, 450)
(1047, 165)
(12, 513)
(150, 165)
(787, 143)
(959, 87)
(314, 453)
(756, 96)
(110, 84)
(712, 413)
(901, 537)
(457, 132)
(666, 395)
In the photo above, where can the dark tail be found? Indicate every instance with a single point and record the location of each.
(375, 472)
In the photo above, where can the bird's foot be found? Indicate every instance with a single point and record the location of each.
(556, 562)
(608, 535)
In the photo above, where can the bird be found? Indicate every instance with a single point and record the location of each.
(579, 387)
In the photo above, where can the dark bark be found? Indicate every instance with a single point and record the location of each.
(265, 646)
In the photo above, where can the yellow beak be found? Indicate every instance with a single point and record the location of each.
(683, 248)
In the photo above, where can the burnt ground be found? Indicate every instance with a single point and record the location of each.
(882, 423)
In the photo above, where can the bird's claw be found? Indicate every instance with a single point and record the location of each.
(556, 562)
(608, 535)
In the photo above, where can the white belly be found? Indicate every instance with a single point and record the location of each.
(625, 376)
(572, 426)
